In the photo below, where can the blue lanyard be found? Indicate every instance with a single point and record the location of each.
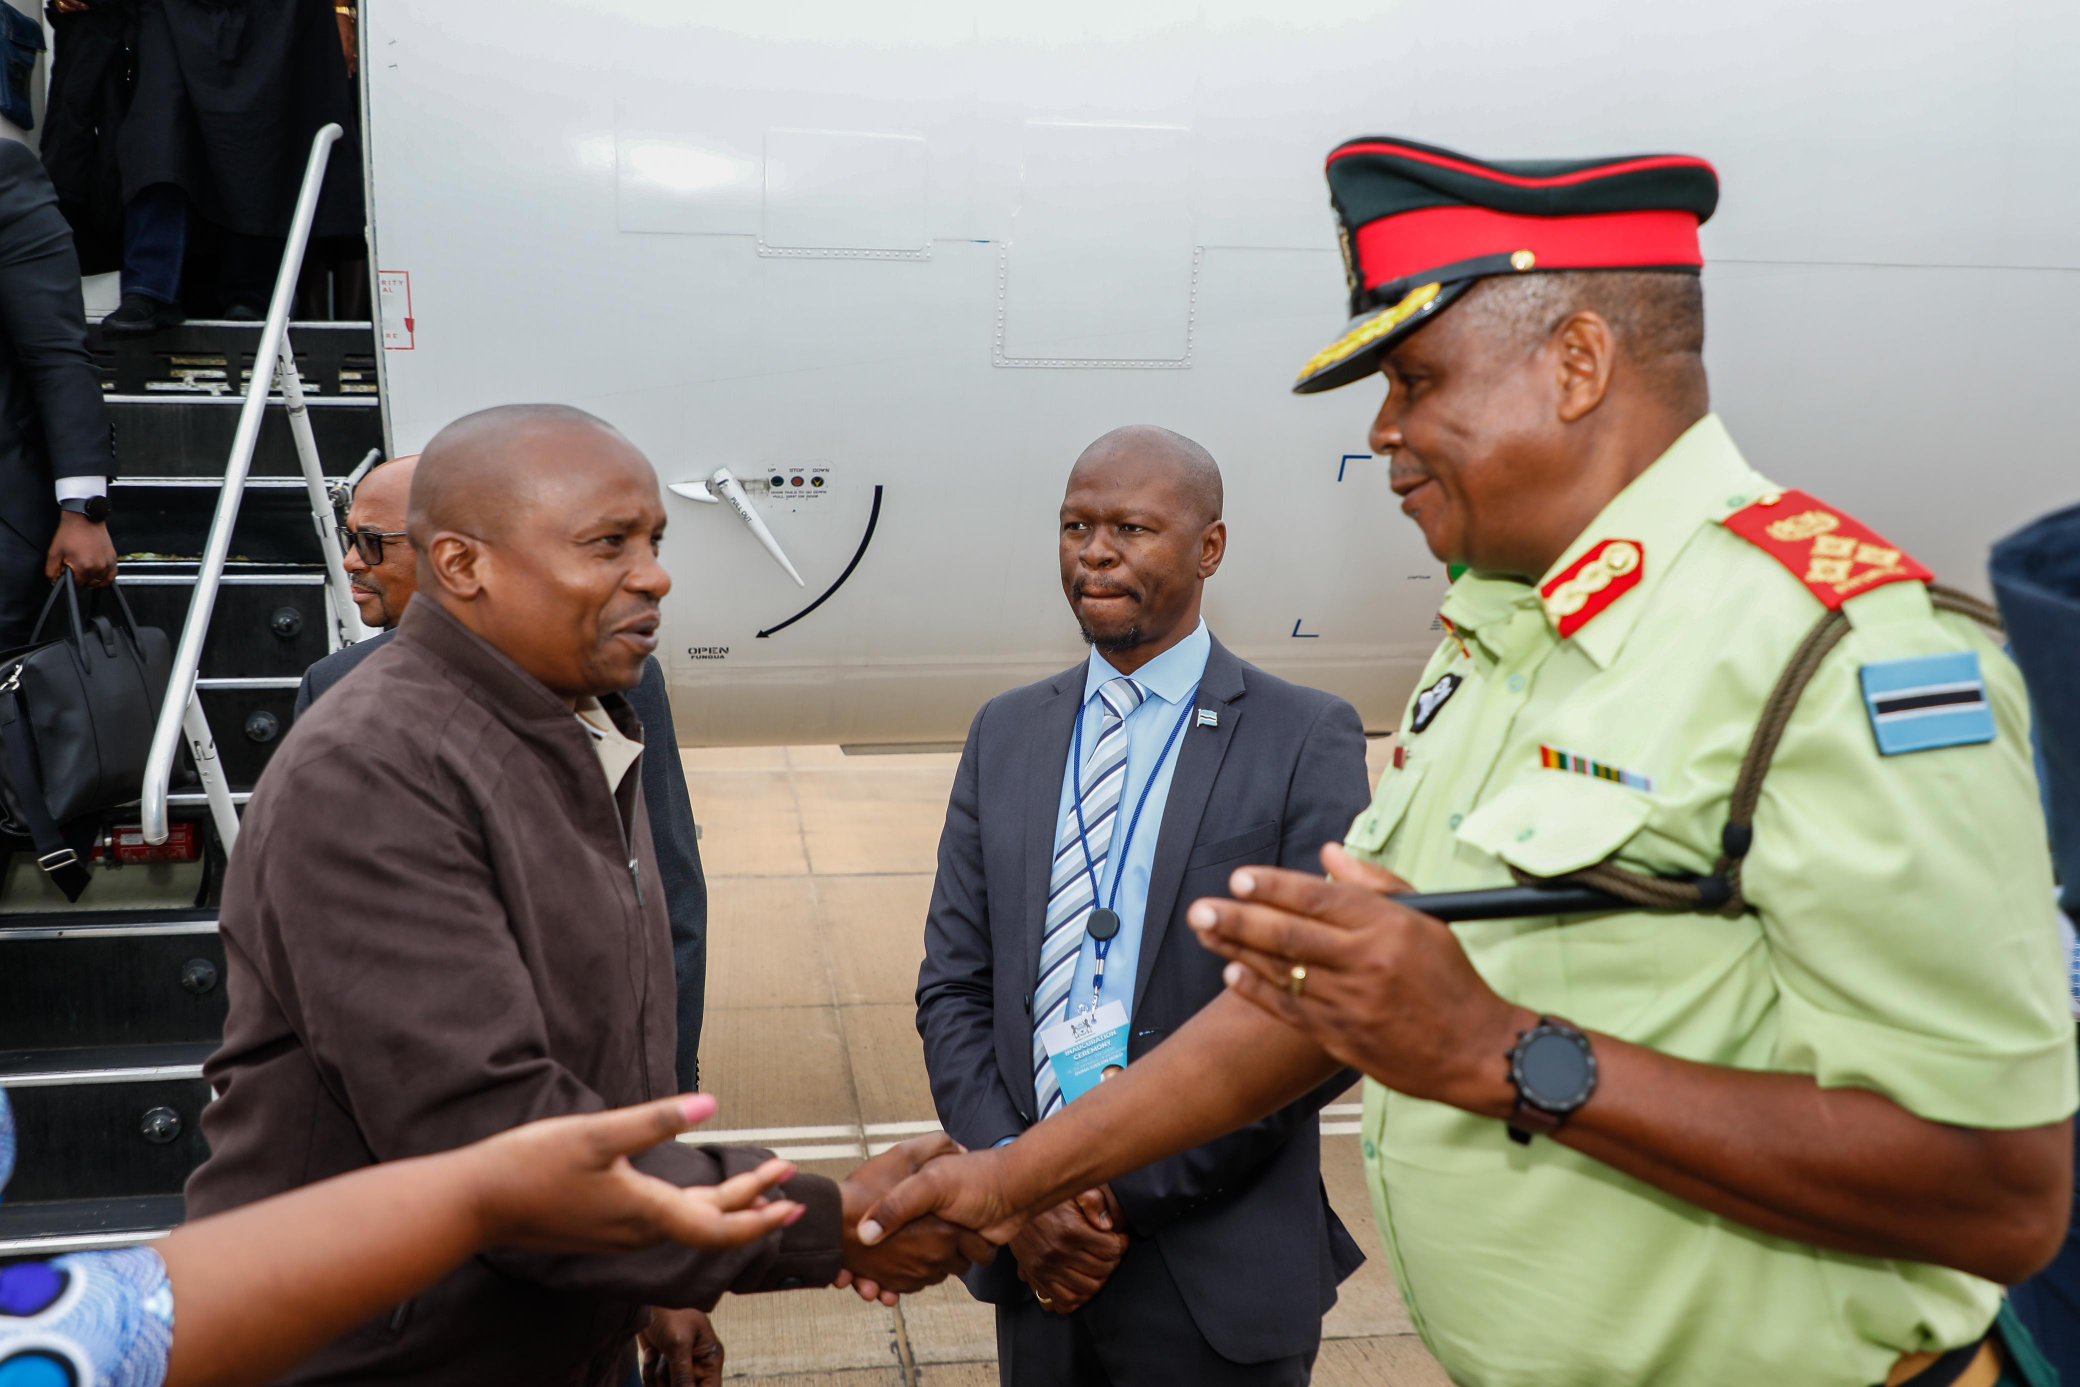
(1083, 837)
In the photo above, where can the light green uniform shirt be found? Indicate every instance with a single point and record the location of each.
(1901, 938)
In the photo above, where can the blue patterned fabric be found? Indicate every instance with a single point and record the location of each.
(98, 1319)
(6, 1142)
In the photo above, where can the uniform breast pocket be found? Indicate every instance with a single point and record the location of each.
(1631, 974)
(1549, 823)
(1257, 843)
(1374, 828)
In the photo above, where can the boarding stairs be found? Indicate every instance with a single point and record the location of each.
(108, 1007)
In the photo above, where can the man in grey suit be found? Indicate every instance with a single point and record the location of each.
(384, 573)
(56, 451)
(1088, 811)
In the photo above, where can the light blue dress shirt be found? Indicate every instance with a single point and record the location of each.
(1169, 679)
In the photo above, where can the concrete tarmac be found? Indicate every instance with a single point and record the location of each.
(819, 871)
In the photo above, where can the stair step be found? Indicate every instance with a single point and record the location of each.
(107, 924)
(214, 483)
(55, 1227)
(273, 526)
(248, 724)
(117, 1139)
(291, 682)
(102, 1064)
(334, 359)
(191, 436)
(176, 573)
(84, 990)
(196, 799)
(264, 628)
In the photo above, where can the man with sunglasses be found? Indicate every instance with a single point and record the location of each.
(381, 569)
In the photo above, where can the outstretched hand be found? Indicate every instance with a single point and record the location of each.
(1380, 987)
(565, 1184)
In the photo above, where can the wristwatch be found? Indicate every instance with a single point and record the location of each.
(1553, 1068)
(94, 508)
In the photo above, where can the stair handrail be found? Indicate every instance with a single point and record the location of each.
(187, 659)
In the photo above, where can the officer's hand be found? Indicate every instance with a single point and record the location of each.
(1068, 1253)
(1387, 991)
(911, 1258)
(969, 1190)
(83, 546)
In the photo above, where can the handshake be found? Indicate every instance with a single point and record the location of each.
(911, 1217)
(926, 1210)
(918, 1213)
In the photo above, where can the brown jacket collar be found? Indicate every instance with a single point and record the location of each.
(519, 700)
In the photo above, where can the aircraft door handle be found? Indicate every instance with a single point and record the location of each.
(723, 487)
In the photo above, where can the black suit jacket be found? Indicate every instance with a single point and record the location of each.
(671, 833)
(1243, 1223)
(52, 420)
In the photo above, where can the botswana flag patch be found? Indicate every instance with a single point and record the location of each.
(1926, 702)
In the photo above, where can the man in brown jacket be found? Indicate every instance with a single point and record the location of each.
(437, 927)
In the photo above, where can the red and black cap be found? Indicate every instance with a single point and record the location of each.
(1419, 225)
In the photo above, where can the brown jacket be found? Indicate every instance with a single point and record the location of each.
(436, 930)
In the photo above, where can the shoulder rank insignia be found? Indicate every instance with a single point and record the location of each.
(1926, 702)
(1591, 583)
(1831, 554)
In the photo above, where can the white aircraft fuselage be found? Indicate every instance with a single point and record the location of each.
(892, 267)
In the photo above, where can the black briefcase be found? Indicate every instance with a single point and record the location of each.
(77, 709)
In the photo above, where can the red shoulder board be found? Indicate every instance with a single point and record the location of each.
(1578, 593)
(1827, 551)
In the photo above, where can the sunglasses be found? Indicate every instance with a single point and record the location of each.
(368, 543)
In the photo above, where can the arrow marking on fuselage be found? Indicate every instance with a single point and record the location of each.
(873, 519)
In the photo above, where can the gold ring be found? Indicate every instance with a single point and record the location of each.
(1296, 980)
(1043, 1300)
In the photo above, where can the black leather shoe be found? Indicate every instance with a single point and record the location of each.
(243, 313)
(137, 316)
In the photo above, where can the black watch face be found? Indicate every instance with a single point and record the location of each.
(1557, 1072)
(96, 508)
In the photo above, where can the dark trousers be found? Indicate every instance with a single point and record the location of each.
(155, 242)
(22, 587)
(1137, 1332)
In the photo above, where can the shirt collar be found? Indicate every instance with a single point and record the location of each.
(1701, 479)
(1170, 676)
(617, 751)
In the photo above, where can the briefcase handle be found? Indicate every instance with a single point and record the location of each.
(68, 588)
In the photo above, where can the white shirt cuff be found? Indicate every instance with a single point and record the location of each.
(80, 488)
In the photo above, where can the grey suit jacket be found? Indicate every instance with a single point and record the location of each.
(672, 833)
(52, 419)
(1243, 1223)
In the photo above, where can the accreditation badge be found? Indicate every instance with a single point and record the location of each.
(1088, 1049)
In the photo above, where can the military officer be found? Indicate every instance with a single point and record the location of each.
(1803, 1108)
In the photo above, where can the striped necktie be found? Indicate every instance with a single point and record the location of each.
(1072, 893)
